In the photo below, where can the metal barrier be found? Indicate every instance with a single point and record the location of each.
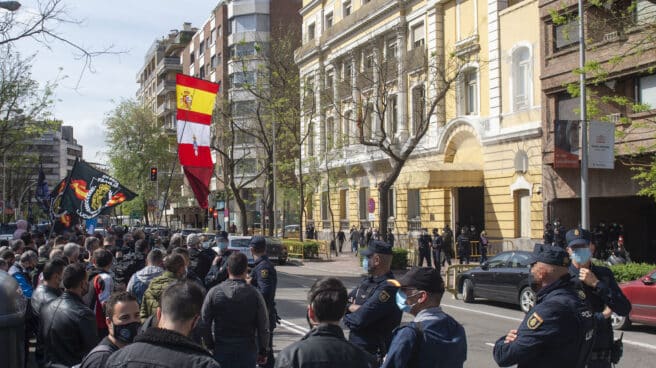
(451, 276)
(295, 250)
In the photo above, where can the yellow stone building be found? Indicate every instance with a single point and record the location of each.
(371, 68)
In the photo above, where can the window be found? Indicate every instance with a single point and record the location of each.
(201, 48)
(324, 205)
(521, 61)
(212, 38)
(499, 261)
(310, 32)
(369, 61)
(418, 107)
(391, 49)
(329, 83)
(310, 140)
(347, 130)
(346, 8)
(238, 79)
(343, 204)
(322, 138)
(328, 21)
(568, 107)
(418, 35)
(239, 108)
(468, 92)
(368, 121)
(566, 34)
(348, 71)
(330, 133)
(647, 91)
(520, 260)
(246, 166)
(201, 72)
(522, 213)
(192, 57)
(250, 23)
(363, 197)
(216, 60)
(246, 49)
(218, 32)
(414, 209)
(392, 111)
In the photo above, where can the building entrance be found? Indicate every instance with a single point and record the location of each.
(471, 209)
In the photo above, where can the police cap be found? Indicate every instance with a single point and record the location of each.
(551, 255)
(421, 278)
(378, 246)
(258, 243)
(578, 236)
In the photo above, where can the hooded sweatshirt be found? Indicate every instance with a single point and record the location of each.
(141, 279)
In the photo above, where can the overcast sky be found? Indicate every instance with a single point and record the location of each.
(130, 26)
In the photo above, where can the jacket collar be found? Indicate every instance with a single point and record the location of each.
(558, 284)
(160, 336)
(72, 296)
(382, 278)
(169, 274)
(261, 259)
(325, 329)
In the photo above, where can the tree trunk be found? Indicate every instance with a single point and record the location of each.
(242, 208)
(270, 200)
(301, 231)
(383, 193)
(144, 203)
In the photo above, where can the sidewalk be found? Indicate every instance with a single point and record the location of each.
(345, 264)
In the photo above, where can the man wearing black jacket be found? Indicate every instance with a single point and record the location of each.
(325, 346)
(67, 326)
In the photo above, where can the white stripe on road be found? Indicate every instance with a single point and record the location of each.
(639, 344)
(483, 313)
(489, 344)
(293, 327)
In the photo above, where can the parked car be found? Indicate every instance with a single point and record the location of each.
(274, 248)
(185, 232)
(292, 231)
(503, 278)
(7, 231)
(642, 295)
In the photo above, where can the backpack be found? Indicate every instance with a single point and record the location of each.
(96, 286)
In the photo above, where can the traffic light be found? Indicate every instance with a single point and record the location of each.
(153, 174)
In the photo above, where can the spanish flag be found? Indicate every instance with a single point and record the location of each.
(195, 103)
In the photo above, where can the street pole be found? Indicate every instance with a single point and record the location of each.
(275, 205)
(585, 202)
(158, 216)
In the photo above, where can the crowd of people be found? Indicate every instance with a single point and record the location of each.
(129, 301)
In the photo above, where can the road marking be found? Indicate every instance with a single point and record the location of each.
(639, 344)
(483, 313)
(489, 344)
(293, 327)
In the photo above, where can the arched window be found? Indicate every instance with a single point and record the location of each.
(521, 78)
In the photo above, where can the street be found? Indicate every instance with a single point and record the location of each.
(484, 322)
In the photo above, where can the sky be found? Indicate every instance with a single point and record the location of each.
(84, 98)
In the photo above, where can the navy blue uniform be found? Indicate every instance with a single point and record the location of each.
(265, 279)
(372, 324)
(557, 332)
(434, 339)
(606, 293)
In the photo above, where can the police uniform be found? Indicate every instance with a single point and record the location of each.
(265, 279)
(558, 331)
(605, 293)
(372, 324)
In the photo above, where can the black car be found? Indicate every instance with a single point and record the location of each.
(503, 278)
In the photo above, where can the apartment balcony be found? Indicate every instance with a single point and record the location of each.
(169, 64)
(357, 18)
(165, 108)
(416, 59)
(165, 86)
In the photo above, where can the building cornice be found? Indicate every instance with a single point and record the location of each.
(306, 9)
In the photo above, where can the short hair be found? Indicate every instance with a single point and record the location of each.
(237, 263)
(193, 239)
(182, 301)
(17, 244)
(182, 251)
(115, 298)
(102, 257)
(109, 239)
(4, 243)
(60, 240)
(44, 250)
(74, 274)
(174, 263)
(328, 298)
(70, 249)
(53, 267)
(141, 246)
(91, 243)
(7, 254)
(138, 234)
(155, 256)
(56, 252)
(26, 237)
(29, 256)
(175, 241)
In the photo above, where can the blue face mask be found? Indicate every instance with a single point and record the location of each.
(402, 300)
(365, 264)
(581, 255)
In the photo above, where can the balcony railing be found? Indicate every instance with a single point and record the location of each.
(165, 85)
(169, 63)
(414, 224)
(343, 224)
(326, 224)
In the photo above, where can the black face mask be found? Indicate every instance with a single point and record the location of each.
(126, 333)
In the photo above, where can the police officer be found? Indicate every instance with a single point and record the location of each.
(447, 244)
(265, 279)
(464, 246)
(372, 314)
(548, 236)
(559, 330)
(603, 294)
(437, 250)
(424, 248)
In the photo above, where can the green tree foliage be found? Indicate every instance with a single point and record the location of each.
(136, 142)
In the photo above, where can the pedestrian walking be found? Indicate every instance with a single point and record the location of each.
(464, 246)
(390, 237)
(168, 345)
(341, 238)
(354, 236)
(433, 338)
(122, 318)
(265, 279)
(603, 295)
(559, 330)
(325, 345)
(234, 314)
(371, 313)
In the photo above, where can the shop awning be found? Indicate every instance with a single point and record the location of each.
(445, 175)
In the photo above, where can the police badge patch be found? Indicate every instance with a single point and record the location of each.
(534, 321)
(383, 296)
(581, 294)
(264, 273)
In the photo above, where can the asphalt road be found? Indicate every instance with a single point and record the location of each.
(484, 322)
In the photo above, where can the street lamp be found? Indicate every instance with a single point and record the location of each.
(10, 5)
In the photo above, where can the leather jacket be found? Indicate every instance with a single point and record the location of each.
(68, 330)
(41, 296)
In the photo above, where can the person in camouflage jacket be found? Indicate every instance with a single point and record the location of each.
(174, 270)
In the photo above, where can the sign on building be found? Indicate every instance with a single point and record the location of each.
(566, 143)
(602, 142)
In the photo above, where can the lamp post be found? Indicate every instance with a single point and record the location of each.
(585, 202)
(10, 5)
